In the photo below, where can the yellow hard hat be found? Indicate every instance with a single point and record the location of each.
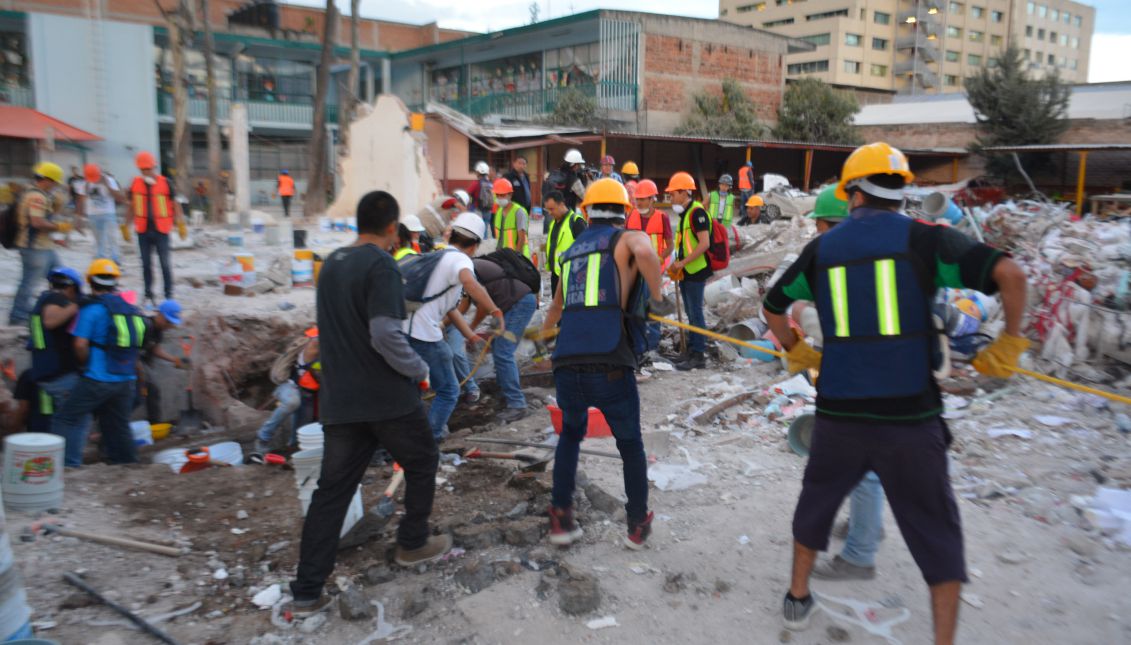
(606, 191)
(629, 168)
(755, 201)
(48, 170)
(103, 266)
(874, 159)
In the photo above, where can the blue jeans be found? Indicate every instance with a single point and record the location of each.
(112, 403)
(442, 375)
(506, 369)
(460, 362)
(105, 235)
(615, 395)
(692, 293)
(37, 263)
(59, 389)
(148, 242)
(865, 522)
(287, 394)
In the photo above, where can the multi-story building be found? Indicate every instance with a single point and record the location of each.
(881, 47)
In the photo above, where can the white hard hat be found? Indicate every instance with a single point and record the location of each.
(470, 224)
(482, 168)
(412, 223)
(461, 195)
(573, 155)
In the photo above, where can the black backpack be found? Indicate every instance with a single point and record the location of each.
(556, 180)
(517, 267)
(10, 221)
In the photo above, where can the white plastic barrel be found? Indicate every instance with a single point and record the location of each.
(14, 610)
(310, 436)
(33, 471)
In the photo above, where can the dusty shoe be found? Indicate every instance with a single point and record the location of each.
(563, 530)
(471, 397)
(696, 361)
(796, 611)
(262, 447)
(638, 532)
(511, 415)
(840, 569)
(307, 608)
(436, 546)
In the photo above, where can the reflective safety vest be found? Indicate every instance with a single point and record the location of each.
(686, 241)
(559, 239)
(728, 208)
(592, 318)
(746, 178)
(50, 348)
(306, 379)
(403, 252)
(46, 403)
(506, 228)
(654, 228)
(875, 309)
(159, 201)
(127, 334)
(286, 186)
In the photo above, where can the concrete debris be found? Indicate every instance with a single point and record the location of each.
(578, 593)
(527, 531)
(838, 634)
(602, 500)
(475, 575)
(602, 623)
(266, 598)
(354, 605)
(313, 624)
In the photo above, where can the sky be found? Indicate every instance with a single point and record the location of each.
(1110, 43)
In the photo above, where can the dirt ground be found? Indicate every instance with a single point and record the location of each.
(717, 563)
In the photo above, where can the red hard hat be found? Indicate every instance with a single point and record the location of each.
(646, 188)
(91, 172)
(502, 186)
(311, 332)
(145, 160)
(609, 160)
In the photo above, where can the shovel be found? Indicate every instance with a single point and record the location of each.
(533, 464)
(191, 418)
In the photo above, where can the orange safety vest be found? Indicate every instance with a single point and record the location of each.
(745, 175)
(158, 200)
(655, 229)
(307, 381)
(286, 186)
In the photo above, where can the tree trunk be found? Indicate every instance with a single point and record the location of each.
(180, 32)
(348, 99)
(216, 194)
(315, 201)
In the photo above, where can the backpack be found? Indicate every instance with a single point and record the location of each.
(416, 270)
(485, 195)
(556, 180)
(10, 221)
(718, 253)
(517, 267)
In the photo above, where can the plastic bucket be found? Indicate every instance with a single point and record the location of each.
(800, 436)
(228, 452)
(143, 435)
(298, 237)
(310, 436)
(235, 239)
(247, 266)
(597, 426)
(258, 225)
(938, 206)
(33, 471)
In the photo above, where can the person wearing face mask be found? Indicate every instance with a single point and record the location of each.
(691, 268)
(510, 221)
(721, 202)
(655, 223)
(155, 209)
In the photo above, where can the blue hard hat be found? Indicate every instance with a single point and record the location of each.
(66, 277)
(171, 309)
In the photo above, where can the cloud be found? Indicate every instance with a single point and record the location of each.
(1108, 60)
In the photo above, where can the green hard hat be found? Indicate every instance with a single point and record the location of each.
(829, 206)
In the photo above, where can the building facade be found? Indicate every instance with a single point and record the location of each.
(884, 47)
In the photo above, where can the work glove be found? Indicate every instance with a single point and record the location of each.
(675, 274)
(999, 359)
(64, 227)
(182, 229)
(125, 229)
(662, 307)
(802, 357)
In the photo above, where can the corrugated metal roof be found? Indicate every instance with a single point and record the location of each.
(769, 143)
(1062, 147)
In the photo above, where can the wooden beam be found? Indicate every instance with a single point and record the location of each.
(748, 153)
(954, 170)
(808, 168)
(1080, 183)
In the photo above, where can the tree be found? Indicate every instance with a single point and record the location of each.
(181, 27)
(349, 98)
(813, 112)
(314, 201)
(731, 115)
(535, 10)
(217, 196)
(1014, 109)
(575, 108)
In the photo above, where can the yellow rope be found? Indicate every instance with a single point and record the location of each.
(716, 336)
(1118, 398)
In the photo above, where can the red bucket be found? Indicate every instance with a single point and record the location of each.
(598, 427)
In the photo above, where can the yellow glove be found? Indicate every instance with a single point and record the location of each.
(64, 227)
(182, 229)
(998, 359)
(802, 357)
(675, 274)
(125, 229)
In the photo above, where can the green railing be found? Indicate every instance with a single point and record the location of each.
(537, 103)
(258, 112)
(17, 95)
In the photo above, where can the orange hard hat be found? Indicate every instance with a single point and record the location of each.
(145, 160)
(91, 172)
(502, 186)
(680, 181)
(646, 188)
(312, 332)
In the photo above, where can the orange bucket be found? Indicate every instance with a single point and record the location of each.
(598, 427)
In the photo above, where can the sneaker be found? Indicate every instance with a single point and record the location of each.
(796, 612)
(472, 397)
(696, 361)
(638, 532)
(511, 415)
(840, 569)
(307, 608)
(433, 549)
(262, 447)
(563, 530)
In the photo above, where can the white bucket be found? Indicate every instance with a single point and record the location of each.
(143, 434)
(354, 513)
(33, 471)
(310, 436)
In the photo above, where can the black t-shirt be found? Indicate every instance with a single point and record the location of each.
(504, 291)
(27, 390)
(700, 221)
(358, 283)
(153, 338)
(61, 337)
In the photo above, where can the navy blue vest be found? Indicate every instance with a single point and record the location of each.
(52, 350)
(127, 333)
(874, 306)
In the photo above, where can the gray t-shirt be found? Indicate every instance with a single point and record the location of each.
(504, 291)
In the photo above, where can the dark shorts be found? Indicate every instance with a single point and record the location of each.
(911, 463)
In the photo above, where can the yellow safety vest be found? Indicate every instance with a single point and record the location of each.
(686, 241)
(728, 208)
(559, 240)
(403, 252)
(506, 228)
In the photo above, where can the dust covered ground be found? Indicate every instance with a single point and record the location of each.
(717, 563)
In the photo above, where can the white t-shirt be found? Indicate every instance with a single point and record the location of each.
(99, 201)
(424, 323)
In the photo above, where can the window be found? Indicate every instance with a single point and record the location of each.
(1042, 11)
(1027, 54)
(747, 8)
(952, 56)
(882, 70)
(1067, 17)
(723, 12)
(828, 14)
(16, 156)
(977, 36)
(1052, 37)
(1062, 62)
(995, 41)
(1072, 64)
(1054, 14)
(881, 18)
(996, 16)
(956, 8)
(777, 23)
(1031, 8)
(853, 40)
(1040, 34)
(953, 32)
(817, 39)
(1076, 20)
(879, 44)
(1028, 31)
(808, 68)
(863, 14)
(973, 60)
(951, 80)
(1051, 59)
(1075, 43)
(852, 66)
(992, 62)
(1064, 39)
(977, 12)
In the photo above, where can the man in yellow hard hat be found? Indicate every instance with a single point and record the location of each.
(873, 278)
(36, 219)
(691, 267)
(753, 212)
